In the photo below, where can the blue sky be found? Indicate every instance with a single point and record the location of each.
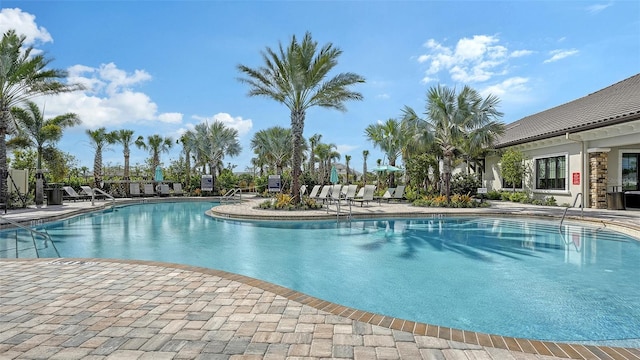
(160, 67)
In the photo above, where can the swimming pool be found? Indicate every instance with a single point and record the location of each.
(516, 278)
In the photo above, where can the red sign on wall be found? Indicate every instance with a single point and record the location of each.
(576, 178)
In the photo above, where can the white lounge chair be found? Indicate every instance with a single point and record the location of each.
(388, 195)
(399, 193)
(148, 190)
(134, 190)
(324, 193)
(162, 189)
(88, 191)
(314, 191)
(72, 194)
(350, 193)
(177, 189)
(367, 195)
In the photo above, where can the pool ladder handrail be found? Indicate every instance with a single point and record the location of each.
(93, 195)
(230, 195)
(33, 232)
(575, 200)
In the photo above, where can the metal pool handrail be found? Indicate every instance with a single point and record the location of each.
(33, 232)
(575, 200)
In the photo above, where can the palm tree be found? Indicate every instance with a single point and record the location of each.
(188, 141)
(391, 138)
(325, 153)
(100, 140)
(295, 77)
(23, 75)
(35, 131)
(274, 145)
(347, 158)
(454, 119)
(125, 137)
(365, 154)
(214, 142)
(156, 145)
(313, 141)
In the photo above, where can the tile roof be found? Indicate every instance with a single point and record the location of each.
(614, 104)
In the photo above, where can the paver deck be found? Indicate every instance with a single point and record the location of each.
(123, 309)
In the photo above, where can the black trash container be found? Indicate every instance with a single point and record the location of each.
(615, 201)
(54, 194)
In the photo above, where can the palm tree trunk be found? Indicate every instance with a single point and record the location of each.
(97, 168)
(126, 166)
(187, 180)
(4, 120)
(297, 129)
(447, 174)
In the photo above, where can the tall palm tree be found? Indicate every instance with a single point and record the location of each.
(347, 158)
(214, 142)
(295, 77)
(125, 137)
(100, 141)
(365, 154)
(156, 145)
(188, 141)
(454, 119)
(325, 153)
(274, 145)
(313, 142)
(23, 76)
(391, 138)
(35, 131)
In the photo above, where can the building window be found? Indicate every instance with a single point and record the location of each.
(551, 173)
(630, 173)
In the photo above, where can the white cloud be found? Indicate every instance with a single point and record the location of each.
(24, 24)
(520, 53)
(560, 54)
(594, 9)
(509, 86)
(242, 125)
(475, 59)
(344, 149)
(383, 96)
(109, 99)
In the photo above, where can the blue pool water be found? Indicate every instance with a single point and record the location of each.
(517, 278)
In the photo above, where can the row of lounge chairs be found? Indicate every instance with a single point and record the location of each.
(351, 194)
(87, 192)
(150, 190)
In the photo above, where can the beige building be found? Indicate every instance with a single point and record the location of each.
(589, 146)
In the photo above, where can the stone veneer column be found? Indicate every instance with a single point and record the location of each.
(598, 180)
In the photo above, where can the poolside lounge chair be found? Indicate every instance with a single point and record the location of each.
(88, 191)
(162, 189)
(72, 194)
(148, 190)
(134, 189)
(388, 195)
(177, 189)
(350, 192)
(367, 195)
(314, 192)
(324, 193)
(335, 193)
(399, 193)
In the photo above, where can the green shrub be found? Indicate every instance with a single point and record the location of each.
(550, 201)
(465, 184)
(494, 195)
